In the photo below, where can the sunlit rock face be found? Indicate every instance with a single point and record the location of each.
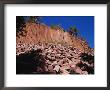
(42, 50)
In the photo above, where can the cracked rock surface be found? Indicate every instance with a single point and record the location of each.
(43, 50)
(49, 58)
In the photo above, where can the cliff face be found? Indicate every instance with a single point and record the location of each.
(35, 33)
(46, 50)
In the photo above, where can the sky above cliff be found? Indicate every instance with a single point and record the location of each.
(85, 25)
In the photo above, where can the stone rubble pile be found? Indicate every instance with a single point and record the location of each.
(53, 58)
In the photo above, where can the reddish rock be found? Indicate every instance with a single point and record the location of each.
(59, 55)
(57, 68)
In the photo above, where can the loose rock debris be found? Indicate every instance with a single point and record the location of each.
(51, 58)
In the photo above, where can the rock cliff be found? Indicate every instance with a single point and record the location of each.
(41, 49)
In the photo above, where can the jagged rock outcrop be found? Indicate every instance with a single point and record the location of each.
(34, 33)
(41, 49)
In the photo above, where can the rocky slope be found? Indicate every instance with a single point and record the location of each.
(41, 49)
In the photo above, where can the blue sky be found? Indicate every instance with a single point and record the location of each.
(85, 25)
